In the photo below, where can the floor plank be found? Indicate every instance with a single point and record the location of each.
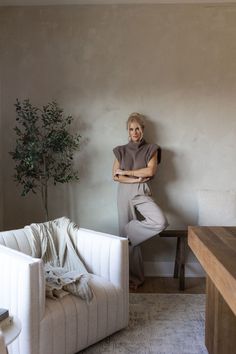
(171, 285)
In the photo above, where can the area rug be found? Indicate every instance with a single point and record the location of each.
(159, 324)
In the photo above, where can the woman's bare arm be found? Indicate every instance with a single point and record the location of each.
(146, 172)
(122, 178)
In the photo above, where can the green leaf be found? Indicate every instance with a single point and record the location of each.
(44, 146)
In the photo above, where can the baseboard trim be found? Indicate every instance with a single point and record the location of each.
(166, 269)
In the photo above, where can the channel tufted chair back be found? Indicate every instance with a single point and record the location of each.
(70, 324)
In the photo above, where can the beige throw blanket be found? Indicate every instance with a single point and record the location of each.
(64, 271)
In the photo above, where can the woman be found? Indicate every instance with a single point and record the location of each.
(140, 218)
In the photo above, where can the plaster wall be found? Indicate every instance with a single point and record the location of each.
(174, 63)
(1, 162)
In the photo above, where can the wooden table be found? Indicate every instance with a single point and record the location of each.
(215, 248)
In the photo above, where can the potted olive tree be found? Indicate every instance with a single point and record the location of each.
(44, 148)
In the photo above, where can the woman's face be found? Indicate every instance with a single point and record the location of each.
(135, 132)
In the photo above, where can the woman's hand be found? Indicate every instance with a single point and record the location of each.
(126, 176)
(143, 179)
(120, 172)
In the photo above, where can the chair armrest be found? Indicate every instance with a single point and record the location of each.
(104, 255)
(23, 293)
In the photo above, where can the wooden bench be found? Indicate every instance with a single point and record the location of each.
(179, 269)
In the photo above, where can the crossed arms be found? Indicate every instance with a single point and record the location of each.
(135, 176)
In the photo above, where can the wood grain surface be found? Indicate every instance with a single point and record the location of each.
(215, 248)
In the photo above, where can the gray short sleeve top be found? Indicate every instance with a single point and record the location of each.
(134, 156)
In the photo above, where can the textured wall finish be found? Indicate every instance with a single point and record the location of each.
(1, 156)
(174, 63)
(104, 2)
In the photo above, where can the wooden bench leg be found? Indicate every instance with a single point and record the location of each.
(179, 270)
(182, 264)
(177, 258)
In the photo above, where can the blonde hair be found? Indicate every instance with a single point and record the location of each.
(136, 117)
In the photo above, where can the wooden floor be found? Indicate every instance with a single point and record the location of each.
(171, 285)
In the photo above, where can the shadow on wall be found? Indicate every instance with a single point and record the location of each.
(166, 175)
(64, 198)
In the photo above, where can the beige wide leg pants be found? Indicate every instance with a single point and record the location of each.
(140, 218)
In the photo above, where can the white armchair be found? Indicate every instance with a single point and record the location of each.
(68, 325)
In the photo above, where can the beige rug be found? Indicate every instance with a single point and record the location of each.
(159, 324)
